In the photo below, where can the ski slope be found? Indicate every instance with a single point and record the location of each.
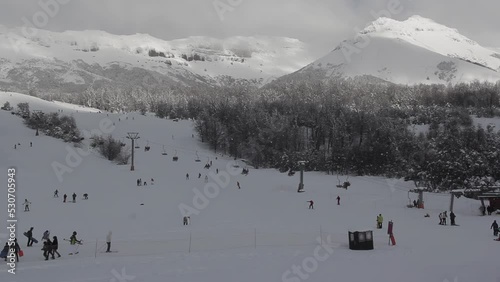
(256, 233)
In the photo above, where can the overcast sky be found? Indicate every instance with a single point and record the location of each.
(323, 23)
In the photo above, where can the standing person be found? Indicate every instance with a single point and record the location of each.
(46, 235)
(46, 249)
(17, 249)
(55, 246)
(26, 205)
(138, 182)
(152, 181)
(238, 183)
(452, 218)
(494, 226)
(187, 176)
(74, 197)
(108, 241)
(74, 242)
(441, 219)
(31, 144)
(206, 178)
(338, 200)
(64, 198)
(445, 216)
(380, 221)
(311, 204)
(489, 210)
(85, 196)
(29, 234)
(185, 220)
(199, 175)
(56, 194)
(483, 210)
(5, 251)
(51, 248)
(217, 171)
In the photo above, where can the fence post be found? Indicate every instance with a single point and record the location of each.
(189, 242)
(255, 238)
(321, 235)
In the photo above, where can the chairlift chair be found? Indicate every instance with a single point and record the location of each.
(137, 144)
(175, 158)
(164, 152)
(197, 158)
(146, 148)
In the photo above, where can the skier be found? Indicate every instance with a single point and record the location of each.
(338, 200)
(238, 183)
(56, 194)
(108, 241)
(187, 176)
(489, 210)
(15, 146)
(199, 175)
(217, 171)
(145, 183)
(311, 204)
(452, 218)
(46, 235)
(26, 205)
(494, 226)
(138, 182)
(55, 246)
(29, 234)
(85, 196)
(441, 216)
(64, 198)
(74, 197)
(445, 216)
(73, 242)
(380, 221)
(152, 181)
(31, 144)
(206, 178)
(185, 220)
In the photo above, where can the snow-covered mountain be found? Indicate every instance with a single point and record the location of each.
(71, 60)
(417, 50)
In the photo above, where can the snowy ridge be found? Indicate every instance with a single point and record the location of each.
(417, 50)
(80, 57)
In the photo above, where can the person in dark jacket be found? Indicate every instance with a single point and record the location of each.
(5, 250)
(311, 204)
(452, 218)
(494, 226)
(64, 198)
(338, 200)
(46, 249)
(74, 197)
(17, 249)
(29, 234)
(55, 246)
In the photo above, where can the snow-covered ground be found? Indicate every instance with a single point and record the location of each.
(261, 232)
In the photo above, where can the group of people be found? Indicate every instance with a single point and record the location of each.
(19, 144)
(56, 195)
(444, 216)
(489, 209)
(140, 183)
